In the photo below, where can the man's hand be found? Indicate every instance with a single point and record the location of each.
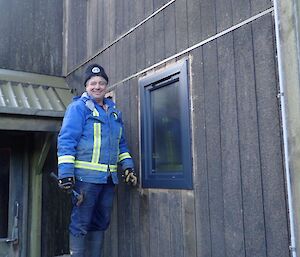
(130, 177)
(66, 184)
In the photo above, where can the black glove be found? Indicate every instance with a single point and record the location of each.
(66, 184)
(130, 177)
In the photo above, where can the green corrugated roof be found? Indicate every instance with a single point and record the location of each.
(31, 101)
(33, 94)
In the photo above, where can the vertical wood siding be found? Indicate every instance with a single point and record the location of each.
(31, 36)
(237, 206)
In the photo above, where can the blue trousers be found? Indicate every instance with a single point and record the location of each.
(94, 212)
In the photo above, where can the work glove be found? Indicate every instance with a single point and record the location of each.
(130, 177)
(66, 184)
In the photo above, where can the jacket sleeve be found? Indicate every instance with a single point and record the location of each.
(125, 158)
(68, 138)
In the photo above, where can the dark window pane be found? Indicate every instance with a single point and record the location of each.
(166, 129)
(4, 191)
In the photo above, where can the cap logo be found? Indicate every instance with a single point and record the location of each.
(95, 70)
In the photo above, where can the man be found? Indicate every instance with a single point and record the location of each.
(90, 145)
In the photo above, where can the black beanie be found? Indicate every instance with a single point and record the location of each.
(94, 70)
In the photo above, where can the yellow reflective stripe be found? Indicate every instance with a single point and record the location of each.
(95, 166)
(66, 159)
(123, 156)
(97, 142)
(95, 112)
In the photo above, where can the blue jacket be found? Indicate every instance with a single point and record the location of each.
(91, 142)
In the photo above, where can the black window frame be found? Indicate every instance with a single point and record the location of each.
(168, 180)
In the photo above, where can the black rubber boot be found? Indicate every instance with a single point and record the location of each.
(94, 243)
(77, 246)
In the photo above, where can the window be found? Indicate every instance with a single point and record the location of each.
(165, 129)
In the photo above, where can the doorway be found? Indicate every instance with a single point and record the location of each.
(13, 194)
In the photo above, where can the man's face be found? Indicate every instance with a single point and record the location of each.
(96, 88)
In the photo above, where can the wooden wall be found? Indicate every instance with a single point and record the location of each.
(56, 209)
(238, 204)
(31, 36)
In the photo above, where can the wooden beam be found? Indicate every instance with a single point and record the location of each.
(11, 122)
(41, 148)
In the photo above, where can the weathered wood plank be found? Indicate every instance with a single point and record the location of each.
(223, 14)
(149, 42)
(157, 4)
(112, 19)
(270, 149)
(5, 29)
(124, 106)
(148, 7)
(124, 199)
(144, 233)
(181, 25)
(119, 61)
(126, 15)
(169, 30)
(26, 44)
(25, 36)
(99, 23)
(232, 191)
(163, 217)
(149, 34)
(133, 13)
(104, 61)
(240, 10)
(71, 36)
(111, 234)
(140, 11)
(119, 17)
(176, 226)
(159, 42)
(136, 242)
(189, 222)
(253, 210)
(258, 6)
(154, 226)
(132, 53)
(213, 148)
(126, 55)
(55, 232)
(106, 23)
(194, 21)
(112, 64)
(200, 178)
(93, 28)
(134, 121)
(124, 249)
(208, 18)
(140, 48)
(80, 49)
(134, 150)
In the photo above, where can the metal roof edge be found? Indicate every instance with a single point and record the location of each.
(33, 78)
(30, 112)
